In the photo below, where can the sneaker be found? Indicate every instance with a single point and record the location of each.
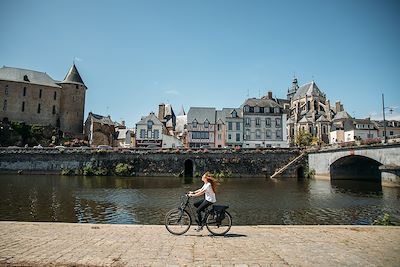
(199, 228)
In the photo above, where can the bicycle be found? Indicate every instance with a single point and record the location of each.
(216, 219)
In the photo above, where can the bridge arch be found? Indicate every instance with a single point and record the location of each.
(355, 167)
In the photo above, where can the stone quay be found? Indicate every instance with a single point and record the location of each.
(66, 244)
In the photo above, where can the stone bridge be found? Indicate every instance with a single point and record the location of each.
(374, 163)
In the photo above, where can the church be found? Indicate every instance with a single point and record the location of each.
(34, 98)
(310, 111)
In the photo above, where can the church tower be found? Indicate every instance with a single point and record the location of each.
(72, 102)
(292, 89)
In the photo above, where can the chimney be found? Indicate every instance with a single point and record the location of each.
(161, 111)
(338, 107)
(123, 123)
(269, 94)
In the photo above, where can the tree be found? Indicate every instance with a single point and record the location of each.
(303, 138)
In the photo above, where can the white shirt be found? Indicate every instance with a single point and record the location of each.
(209, 193)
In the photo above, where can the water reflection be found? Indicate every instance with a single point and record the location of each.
(143, 200)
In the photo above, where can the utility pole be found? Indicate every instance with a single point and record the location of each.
(384, 121)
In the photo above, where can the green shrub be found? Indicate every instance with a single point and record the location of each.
(122, 169)
(67, 172)
(385, 221)
(101, 171)
(88, 170)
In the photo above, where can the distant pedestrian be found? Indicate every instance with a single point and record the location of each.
(208, 190)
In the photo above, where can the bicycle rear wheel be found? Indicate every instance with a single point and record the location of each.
(219, 228)
(178, 221)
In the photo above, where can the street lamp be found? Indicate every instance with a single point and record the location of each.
(384, 121)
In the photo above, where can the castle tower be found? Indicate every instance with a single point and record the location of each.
(72, 104)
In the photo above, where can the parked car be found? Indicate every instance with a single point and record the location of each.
(104, 147)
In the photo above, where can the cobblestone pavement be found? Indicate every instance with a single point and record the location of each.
(67, 244)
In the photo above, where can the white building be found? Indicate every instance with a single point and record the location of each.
(264, 123)
(357, 129)
(170, 141)
(234, 126)
(149, 131)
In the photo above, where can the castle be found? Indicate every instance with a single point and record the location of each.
(33, 97)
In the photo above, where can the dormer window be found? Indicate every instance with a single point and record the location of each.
(251, 109)
(26, 79)
(246, 108)
(256, 109)
(194, 124)
(234, 114)
(206, 124)
(150, 125)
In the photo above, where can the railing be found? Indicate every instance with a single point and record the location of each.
(282, 169)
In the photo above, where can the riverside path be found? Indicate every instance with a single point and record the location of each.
(68, 244)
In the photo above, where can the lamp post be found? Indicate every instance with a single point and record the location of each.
(384, 122)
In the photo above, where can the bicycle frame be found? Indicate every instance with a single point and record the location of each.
(186, 203)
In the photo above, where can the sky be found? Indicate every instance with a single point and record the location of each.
(134, 55)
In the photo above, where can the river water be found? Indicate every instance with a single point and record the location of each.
(145, 200)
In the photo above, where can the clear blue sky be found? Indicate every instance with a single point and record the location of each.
(133, 55)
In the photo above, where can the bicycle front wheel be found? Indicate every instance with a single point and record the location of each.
(219, 228)
(178, 221)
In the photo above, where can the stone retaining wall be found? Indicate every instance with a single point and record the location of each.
(244, 163)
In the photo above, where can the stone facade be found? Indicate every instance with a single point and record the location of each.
(100, 130)
(34, 97)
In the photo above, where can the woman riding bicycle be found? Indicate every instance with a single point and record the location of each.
(208, 189)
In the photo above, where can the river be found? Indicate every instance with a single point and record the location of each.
(145, 200)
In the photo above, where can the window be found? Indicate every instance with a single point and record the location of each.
(268, 134)
(142, 133)
(230, 126)
(238, 126)
(271, 110)
(278, 134)
(276, 110)
(258, 122)
(5, 105)
(278, 122)
(234, 114)
(229, 136)
(258, 134)
(38, 108)
(246, 109)
(261, 110)
(54, 109)
(219, 136)
(200, 135)
(268, 122)
(26, 79)
(55, 95)
(206, 124)
(6, 90)
(23, 106)
(40, 93)
(77, 86)
(219, 127)
(324, 129)
(150, 125)
(251, 109)
(256, 109)
(24, 92)
(248, 121)
(156, 134)
(237, 137)
(194, 124)
(391, 133)
(247, 134)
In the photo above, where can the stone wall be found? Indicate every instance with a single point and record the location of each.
(244, 163)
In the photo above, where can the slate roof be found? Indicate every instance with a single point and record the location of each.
(152, 117)
(342, 115)
(305, 120)
(101, 119)
(73, 76)
(322, 118)
(252, 102)
(27, 76)
(201, 114)
(308, 89)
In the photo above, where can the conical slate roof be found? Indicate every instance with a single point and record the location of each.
(73, 76)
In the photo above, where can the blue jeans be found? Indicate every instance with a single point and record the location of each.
(201, 205)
